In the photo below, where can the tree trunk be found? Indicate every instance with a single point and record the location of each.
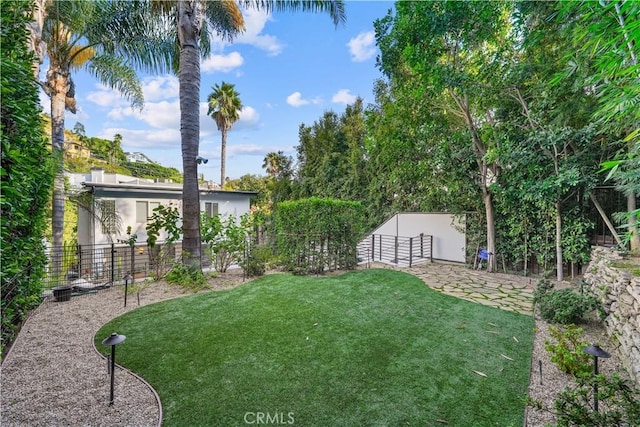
(57, 85)
(633, 223)
(35, 43)
(223, 157)
(189, 81)
(491, 228)
(559, 263)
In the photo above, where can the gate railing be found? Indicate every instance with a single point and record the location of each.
(399, 250)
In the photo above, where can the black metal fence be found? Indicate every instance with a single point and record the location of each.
(86, 268)
(399, 250)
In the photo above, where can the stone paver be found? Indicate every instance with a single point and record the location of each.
(507, 292)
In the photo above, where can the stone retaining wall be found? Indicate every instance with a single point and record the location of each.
(619, 292)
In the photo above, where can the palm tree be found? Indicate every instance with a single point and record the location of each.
(277, 164)
(224, 107)
(98, 36)
(193, 20)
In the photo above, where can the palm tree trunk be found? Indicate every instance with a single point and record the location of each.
(223, 157)
(58, 84)
(189, 80)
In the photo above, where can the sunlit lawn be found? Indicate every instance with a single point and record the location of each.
(372, 347)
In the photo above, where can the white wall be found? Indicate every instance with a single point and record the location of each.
(449, 241)
(228, 204)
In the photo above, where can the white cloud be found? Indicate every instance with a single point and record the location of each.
(106, 97)
(246, 150)
(295, 100)
(343, 96)
(158, 88)
(133, 139)
(222, 63)
(249, 119)
(255, 21)
(362, 47)
(160, 115)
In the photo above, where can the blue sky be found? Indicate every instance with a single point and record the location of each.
(288, 69)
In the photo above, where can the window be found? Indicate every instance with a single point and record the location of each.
(108, 216)
(210, 208)
(142, 212)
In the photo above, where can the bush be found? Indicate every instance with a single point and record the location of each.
(314, 235)
(186, 276)
(564, 306)
(567, 352)
(258, 260)
(619, 403)
(26, 172)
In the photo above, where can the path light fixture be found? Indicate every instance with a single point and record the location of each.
(113, 340)
(128, 278)
(596, 352)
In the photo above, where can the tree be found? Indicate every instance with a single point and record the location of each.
(224, 108)
(331, 155)
(193, 21)
(455, 49)
(607, 35)
(280, 180)
(115, 152)
(98, 36)
(277, 165)
(79, 130)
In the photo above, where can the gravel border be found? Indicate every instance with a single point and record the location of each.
(74, 389)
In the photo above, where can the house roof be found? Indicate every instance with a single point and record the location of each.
(157, 188)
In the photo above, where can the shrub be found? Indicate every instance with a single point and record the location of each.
(257, 260)
(225, 240)
(567, 352)
(186, 276)
(26, 172)
(619, 403)
(317, 234)
(564, 306)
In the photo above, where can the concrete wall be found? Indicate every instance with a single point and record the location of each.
(449, 240)
(619, 292)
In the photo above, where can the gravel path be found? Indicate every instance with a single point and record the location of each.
(73, 389)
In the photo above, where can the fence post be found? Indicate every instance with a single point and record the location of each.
(431, 248)
(396, 250)
(410, 251)
(373, 247)
(131, 265)
(79, 267)
(113, 264)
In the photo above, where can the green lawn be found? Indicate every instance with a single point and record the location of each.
(372, 347)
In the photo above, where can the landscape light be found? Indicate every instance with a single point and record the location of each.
(596, 352)
(113, 340)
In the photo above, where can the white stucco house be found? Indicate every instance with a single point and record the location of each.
(134, 199)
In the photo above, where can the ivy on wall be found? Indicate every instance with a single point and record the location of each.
(26, 173)
(314, 234)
